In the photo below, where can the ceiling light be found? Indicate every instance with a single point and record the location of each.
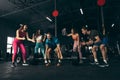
(112, 25)
(81, 11)
(49, 19)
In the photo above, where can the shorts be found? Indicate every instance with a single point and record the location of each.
(97, 44)
(105, 41)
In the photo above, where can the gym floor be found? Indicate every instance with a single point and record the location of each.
(66, 71)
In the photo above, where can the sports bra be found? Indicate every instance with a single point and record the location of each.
(75, 37)
(39, 37)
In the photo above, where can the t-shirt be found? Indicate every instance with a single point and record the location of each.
(52, 43)
(93, 34)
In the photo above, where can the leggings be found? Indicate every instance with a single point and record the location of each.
(18, 44)
(41, 46)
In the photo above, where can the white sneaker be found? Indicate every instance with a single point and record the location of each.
(49, 61)
(59, 61)
(96, 63)
(46, 61)
(25, 64)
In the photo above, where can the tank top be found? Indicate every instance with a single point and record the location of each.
(22, 34)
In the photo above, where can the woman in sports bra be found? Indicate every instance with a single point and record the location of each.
(76, 45)
(39, 39)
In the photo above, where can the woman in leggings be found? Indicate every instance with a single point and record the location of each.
(21, 35)
(39, 39)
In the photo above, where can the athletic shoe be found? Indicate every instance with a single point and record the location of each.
(49, 61)
(25, 64)
(104, 65)
(47, 64)
(95, 63)
(13, 64)
(59, 61)
(58, 64)
(81, 61)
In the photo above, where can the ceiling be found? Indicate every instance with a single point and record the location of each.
(34, 13)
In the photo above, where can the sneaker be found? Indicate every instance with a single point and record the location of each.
(105, 64)
(49, 61)
(81, 61)
(84, 58)
(47, 64)
(59, 61)
(25, 64)
(94, 63)
(13, 64)
(58, 64)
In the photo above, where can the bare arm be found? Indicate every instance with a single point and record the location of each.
(44, 37)
(97, 39)
(27, 36)
(69, 34)
(89, 42)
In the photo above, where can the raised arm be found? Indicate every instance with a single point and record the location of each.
(69, 34)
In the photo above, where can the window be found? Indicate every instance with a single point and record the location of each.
(9, 44)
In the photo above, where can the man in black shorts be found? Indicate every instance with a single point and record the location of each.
(97, 42)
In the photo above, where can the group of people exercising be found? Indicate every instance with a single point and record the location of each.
(48, 43)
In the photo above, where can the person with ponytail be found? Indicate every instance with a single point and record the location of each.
(39, 39)
(21, 35)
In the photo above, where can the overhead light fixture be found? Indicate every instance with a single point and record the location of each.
(49, 19)
(81, 11)
(112, 25)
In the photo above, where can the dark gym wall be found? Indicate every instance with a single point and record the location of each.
(6, 29)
